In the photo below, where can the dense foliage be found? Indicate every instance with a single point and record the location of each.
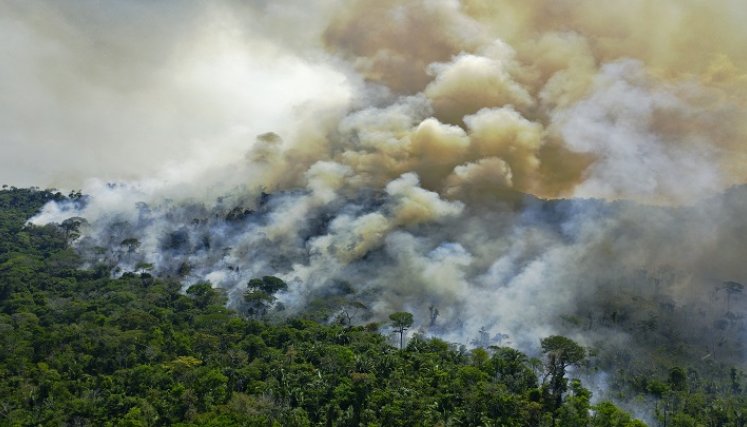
(80, 348)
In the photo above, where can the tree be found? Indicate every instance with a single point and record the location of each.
(260, 294)
(401, 321)
(257, 302)
(204, 295)
(131, 244)
(677, 379)
(512, 367)
(575, 410)
(561, 352)
(268, 284)
(71, 227)
(607, 414)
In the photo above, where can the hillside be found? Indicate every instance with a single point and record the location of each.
(81, 348)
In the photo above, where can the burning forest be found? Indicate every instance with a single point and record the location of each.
(503, 171)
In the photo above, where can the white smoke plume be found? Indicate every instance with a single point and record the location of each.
(518, 168)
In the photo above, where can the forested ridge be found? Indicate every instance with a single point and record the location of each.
(78, 347)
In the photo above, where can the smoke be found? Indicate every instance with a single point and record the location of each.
(625, 124)
(516, 168)
(172, 85)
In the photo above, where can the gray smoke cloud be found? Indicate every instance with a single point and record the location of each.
(522, 169)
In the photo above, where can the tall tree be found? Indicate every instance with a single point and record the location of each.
(561, 352)
(260, 295)
(401, 321)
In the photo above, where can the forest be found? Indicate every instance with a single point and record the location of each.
(78, 347)
(373, 213)
(81, 348)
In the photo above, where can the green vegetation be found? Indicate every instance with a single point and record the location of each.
(561, 353)
(80, 348)
(401, 321)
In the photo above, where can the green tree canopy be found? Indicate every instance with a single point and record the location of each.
(560, 352)
(401, 321)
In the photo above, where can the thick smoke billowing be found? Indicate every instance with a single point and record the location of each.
(411, 154)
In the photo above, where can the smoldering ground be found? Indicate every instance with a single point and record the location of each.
(523, 168)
